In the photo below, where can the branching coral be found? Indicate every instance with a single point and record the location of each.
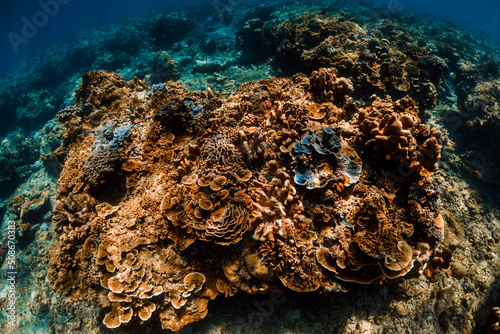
(172, 197)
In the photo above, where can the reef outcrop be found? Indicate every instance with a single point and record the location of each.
(376, 64)
(170, 197)
(477, 120)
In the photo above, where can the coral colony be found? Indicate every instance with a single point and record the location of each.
(298, 156)
(305, 151)
(170, 198)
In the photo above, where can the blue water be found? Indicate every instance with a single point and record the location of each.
(61, 18)
(67, 16)
(481, 15)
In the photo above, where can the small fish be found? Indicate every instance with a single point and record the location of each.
(452, 75)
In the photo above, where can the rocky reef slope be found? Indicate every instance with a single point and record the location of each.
(348, 185)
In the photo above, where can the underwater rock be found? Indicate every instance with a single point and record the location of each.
(169, 197)
(126, 40)
(483, 110)
(162, 67)
(210, 66)
(307, 42)
(18, 156)
(479, 121)
(254, 41)
(166, 29)
(37, 108)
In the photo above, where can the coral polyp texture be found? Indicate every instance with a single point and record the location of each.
(170, 197)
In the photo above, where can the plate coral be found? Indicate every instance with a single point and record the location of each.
(170, 197)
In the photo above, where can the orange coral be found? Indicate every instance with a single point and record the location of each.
(394, 130)
(180, 196)
(495, 327)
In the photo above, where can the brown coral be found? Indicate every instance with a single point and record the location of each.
(375, 65)
(278, 184)
(394, 130)
(495, 327)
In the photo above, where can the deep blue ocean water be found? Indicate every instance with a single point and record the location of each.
(481, 15)
(67, 16)
(64, 17)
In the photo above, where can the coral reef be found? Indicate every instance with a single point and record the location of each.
(39, 107)
(306, 42)
(394, 130)
(479, 116)
(170, 197)
(495, 328)
(212, 193)
(162, 68)
(18, 156)
(167, 28)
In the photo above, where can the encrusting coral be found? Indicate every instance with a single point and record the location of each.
(170, 197)
(306, 42)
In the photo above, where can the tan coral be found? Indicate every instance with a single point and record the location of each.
(257, 268)
(217, 183)
(193, 282)
(133, 165)
(113, 297)
(146, 310)
(394, 127)
(225, 224)
(117, 316)
(105, 209)
(401, 258)
(112, 318)
(327, 259)
(225, 288)
(181, 209)
(176, 320)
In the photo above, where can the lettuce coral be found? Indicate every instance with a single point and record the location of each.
(170, 197)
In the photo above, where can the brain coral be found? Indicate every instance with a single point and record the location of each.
(170, 197)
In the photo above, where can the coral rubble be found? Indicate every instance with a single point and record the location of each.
(170, 197)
